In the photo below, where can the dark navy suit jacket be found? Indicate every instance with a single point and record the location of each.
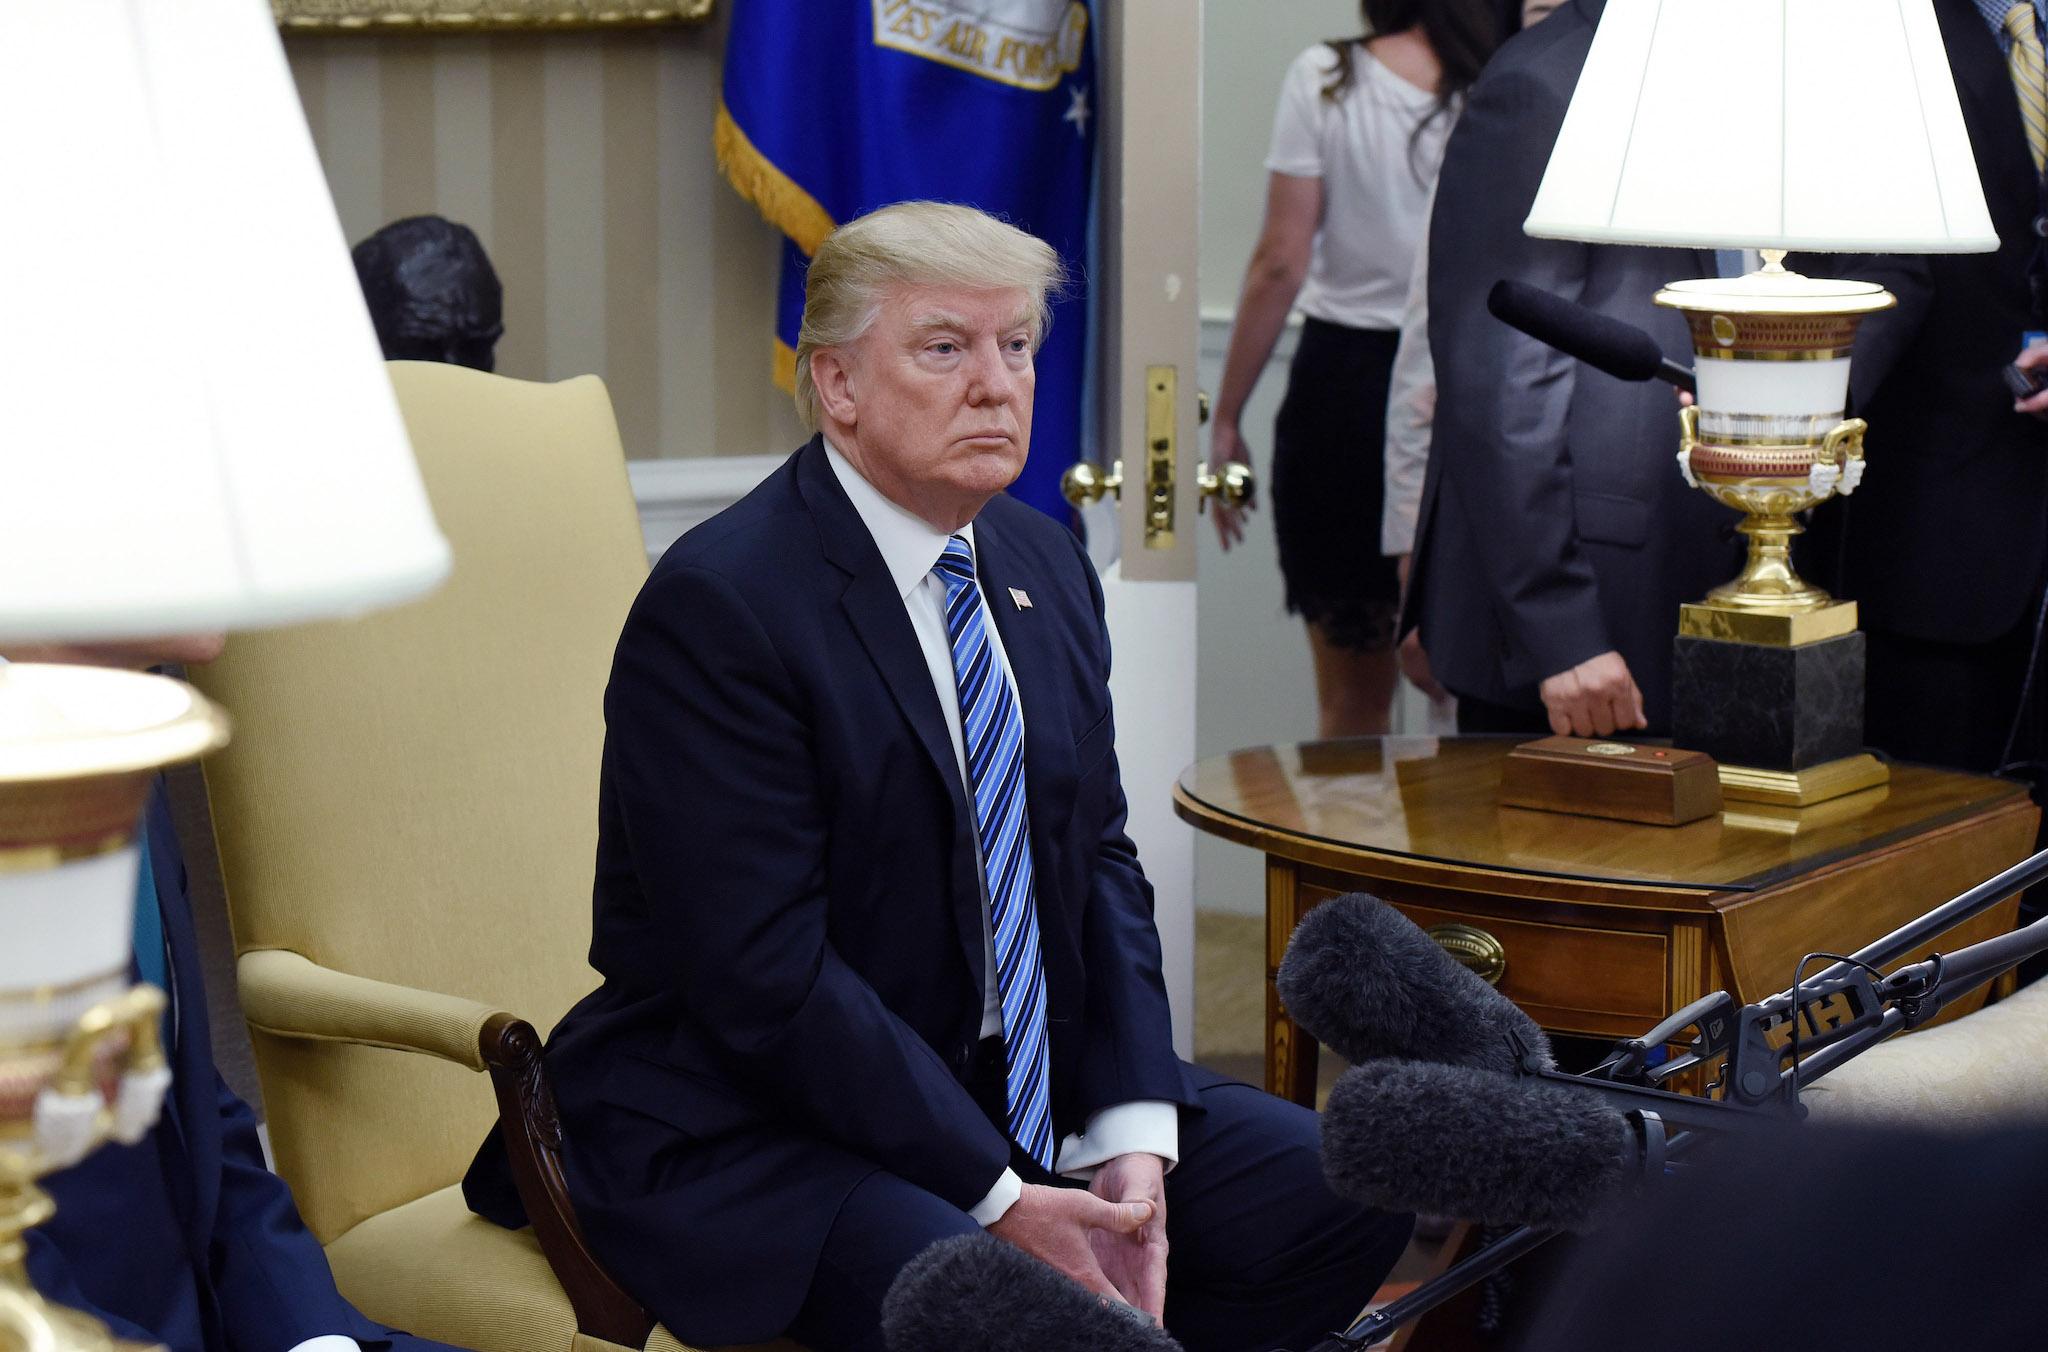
(1554, 525)
(788, 908)
(186, 1239)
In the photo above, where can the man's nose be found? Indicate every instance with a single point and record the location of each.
(990, 381)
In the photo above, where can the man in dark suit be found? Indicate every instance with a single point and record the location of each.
(1945, 546)
(878, 959)
(186, 1239)
(1556, 539)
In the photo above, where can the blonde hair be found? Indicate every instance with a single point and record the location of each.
(914, 244)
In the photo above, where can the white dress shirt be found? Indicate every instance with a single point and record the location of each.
(1376, 147)
(910, 546)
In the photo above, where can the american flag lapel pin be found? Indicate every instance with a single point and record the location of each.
(1022, 599)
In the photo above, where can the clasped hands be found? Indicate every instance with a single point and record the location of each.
(1111, 1238)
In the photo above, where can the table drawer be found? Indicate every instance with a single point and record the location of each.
(1599, 981)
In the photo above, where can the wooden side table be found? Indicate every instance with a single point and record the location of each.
(1603, 927)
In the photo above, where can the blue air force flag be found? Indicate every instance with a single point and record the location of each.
(832, 108)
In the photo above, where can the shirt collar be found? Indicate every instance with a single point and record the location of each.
(909, 544)
(1994, 12)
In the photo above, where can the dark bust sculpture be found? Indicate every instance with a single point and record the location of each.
(432, 292)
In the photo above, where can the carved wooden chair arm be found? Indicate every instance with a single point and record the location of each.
(289, 995)
(533, 1147)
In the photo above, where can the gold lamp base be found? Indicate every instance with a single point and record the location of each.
(1767, 628)
(81, 1062)
(1801, 788)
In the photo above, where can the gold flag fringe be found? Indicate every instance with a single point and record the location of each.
(784, 204)
(784, 369)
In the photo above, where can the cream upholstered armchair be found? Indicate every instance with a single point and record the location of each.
(407, 821)
(1974, 1073)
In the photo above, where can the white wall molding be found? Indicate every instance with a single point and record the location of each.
(675, 495)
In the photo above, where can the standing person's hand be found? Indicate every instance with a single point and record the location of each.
(1135, 1263)
(2034, 357)
(1058, 1226)
(1593, 699)
(1415, 666)
(1414, 661)
(1226, 443)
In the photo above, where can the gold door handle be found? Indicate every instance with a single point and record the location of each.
(1086, 482)
(1474, 949)
(1234, 484)
(1162, 385)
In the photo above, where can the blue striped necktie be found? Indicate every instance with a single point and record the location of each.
(992, 730)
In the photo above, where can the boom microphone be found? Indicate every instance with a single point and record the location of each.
(976, 1293)
(1367, 983)
(1476, 1146)
(1601, 341)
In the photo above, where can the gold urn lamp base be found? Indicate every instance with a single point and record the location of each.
(81, 1061)
(1768, 668)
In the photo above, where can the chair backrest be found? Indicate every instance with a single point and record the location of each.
(412, 796)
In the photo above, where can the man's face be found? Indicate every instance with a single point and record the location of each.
(941, 388)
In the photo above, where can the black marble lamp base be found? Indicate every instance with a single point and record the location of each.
(1771, 708)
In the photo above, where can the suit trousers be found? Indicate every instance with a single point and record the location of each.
(1262, 1254)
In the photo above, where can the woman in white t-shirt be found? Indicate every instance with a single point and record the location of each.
(1357, 141)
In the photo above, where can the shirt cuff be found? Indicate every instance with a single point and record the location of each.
(329, 1342)
(987, 1211)
(1141, 1127)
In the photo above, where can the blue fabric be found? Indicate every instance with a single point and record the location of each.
(187, 1239)
(150, 961)
(992, 730)
(866, 102)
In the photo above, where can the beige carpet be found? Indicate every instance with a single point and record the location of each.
(1230, 1000)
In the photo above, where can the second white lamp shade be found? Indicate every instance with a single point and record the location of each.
(1788, 124)
(196, 430)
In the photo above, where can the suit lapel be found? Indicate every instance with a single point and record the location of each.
(1037, 671)
(875, 609)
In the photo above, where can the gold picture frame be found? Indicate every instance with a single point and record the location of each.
(472, 16)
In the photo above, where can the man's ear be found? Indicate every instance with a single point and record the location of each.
(832, 375)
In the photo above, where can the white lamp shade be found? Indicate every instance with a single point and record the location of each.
(196, 429)
(1773, 124)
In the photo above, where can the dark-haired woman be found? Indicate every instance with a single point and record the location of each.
(1357, 140)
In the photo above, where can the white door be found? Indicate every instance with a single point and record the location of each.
(1147, 248)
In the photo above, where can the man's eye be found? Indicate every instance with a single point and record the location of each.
(943, 349)
(1020, 345)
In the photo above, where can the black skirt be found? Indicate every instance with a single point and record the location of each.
(1329, 484)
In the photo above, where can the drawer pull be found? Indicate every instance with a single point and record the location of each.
(1474, 949)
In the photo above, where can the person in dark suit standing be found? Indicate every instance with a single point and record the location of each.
(1556, 541)
(186, 1238)
(1944, 548)
(879, 965)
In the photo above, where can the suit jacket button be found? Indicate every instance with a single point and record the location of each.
(963, 1055)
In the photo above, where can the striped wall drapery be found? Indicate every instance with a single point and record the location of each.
(584, 163)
